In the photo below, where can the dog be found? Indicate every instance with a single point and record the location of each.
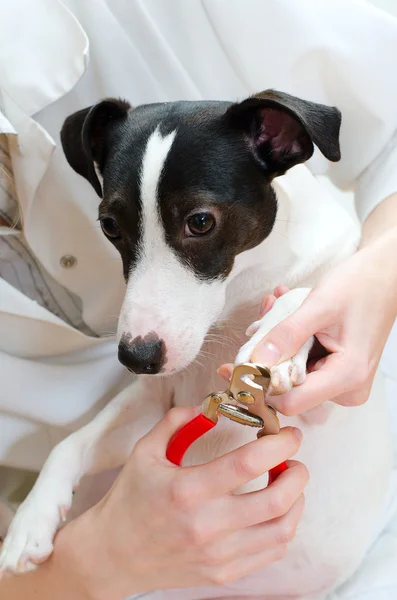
(211, 206)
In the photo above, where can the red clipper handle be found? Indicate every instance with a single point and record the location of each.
(192, 431)
(184, 438)
(276, 471)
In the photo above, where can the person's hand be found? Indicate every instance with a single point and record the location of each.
(163, 526)
(351, 313)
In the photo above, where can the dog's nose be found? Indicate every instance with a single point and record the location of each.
(142, 356)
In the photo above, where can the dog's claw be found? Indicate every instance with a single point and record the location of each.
(21, 566)
(63, 511)
(292, 371)
(275, 379)
(253, 328)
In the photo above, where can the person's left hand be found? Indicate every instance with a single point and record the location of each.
(351, 313)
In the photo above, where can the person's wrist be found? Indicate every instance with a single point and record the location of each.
(96, 563)
(73, 547)
(82, 547)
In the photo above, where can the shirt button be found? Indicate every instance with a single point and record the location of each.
(68, 261)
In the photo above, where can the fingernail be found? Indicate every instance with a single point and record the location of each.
(298, 433)
(266, 354)
(224, 373)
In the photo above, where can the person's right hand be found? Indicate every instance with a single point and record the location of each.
(163, 526)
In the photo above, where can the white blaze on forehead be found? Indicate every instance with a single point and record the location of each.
(163, 295)
(155, 155)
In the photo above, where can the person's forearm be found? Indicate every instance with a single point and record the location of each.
(381, 222)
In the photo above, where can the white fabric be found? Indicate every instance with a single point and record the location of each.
(18, 265)
(340, 52)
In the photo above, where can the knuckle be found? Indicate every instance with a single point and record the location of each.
(181, 494)
(210, 557)
(278, 503)
(286, 531)
(221, 576)
(352, 399)
(198, 534)
(358, 400)
(359, 370)
(173, 416)
(287, 442)
(294, 442)
(244, 466)
(361, 375)
(300, 507)
(303, 474)
(288, 407)
(139, 453)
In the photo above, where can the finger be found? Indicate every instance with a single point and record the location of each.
(335, 377)
(246, 565)
(264, 505)
(286, 338)
(267, 304)
(223, 475)
(156, 441)
(316, 365)
(258, 538)
(281, 290)
(225, 371)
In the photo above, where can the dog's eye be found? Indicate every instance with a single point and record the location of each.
(199, 224)
(110, 227)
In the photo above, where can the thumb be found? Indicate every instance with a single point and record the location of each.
(156, 441)
(286, 338)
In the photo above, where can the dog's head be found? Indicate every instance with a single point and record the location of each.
(185, 188)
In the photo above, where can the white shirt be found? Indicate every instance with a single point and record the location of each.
(57, 58)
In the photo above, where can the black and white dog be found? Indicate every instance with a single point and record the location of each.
(197, 199)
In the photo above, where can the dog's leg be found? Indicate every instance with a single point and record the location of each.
(104, 443)
(293, 371)
(6, 516)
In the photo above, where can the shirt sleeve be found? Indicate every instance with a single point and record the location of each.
(378, 181)
(358, 75)
(336, 52)
(356, 71)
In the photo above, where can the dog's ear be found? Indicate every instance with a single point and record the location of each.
(84, 137)
(281, 129)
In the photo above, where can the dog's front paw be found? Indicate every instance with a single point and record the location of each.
(29, 538)
(292, 371)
